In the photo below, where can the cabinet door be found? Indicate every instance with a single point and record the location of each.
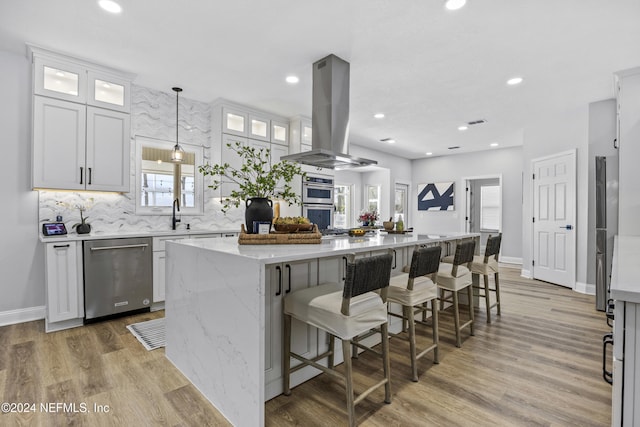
(282, 279)
(107, 91)
(58, 144)
(231, 157)
(305, 133)
(279, 133)
(108, 147)
(234, 122)
(259, 128)
(158, 276)
(277, 152)
(60, 80)
(62, 282)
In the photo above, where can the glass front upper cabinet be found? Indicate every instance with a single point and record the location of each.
(259, 128)
(60, 80)
(234, 122)
(108, 92)
(279, 133)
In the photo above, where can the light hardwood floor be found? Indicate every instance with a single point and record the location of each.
(537, 364)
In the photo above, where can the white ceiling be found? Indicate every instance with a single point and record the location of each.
(428, 69)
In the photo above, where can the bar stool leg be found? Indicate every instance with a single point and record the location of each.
(346, 350)
(497, 292)
(332, 349)
(286, 358)
(456, 318)
(412, 343)
(471, 314)
(384, 329)
(487, 297)
(434, 325)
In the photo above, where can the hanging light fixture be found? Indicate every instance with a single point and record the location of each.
(177, 155)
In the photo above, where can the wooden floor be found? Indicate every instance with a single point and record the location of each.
(538, 364)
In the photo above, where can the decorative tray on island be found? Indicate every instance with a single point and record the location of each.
(282, 237)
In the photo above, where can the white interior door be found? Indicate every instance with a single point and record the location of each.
(554, 204)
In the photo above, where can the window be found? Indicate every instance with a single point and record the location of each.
(344, 207)
(159, 181)
(490, 207)
(373, 198)
(401, 205)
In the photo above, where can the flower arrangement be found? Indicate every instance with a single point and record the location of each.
(82, 227)
(368, 218)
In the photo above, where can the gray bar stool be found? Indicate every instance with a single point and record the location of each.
(345, 314)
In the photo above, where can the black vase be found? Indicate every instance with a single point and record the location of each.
(83, 228)
(258, 209)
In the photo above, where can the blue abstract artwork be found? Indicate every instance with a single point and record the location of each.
(436, 196)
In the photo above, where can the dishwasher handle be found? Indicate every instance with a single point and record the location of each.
(104, 248)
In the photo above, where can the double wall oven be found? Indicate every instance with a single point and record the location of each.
(317, 200)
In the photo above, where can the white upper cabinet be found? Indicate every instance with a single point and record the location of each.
(110, 92)
(81, 124)
(234, 121)
(300, 135)
(259, 128)
(279, 133)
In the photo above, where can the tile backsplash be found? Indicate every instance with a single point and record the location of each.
(152, 115)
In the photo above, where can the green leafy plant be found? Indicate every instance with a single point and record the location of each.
(255, 178)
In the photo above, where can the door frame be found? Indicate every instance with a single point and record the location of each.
(465, 185)
(408, 216)
(574, 154)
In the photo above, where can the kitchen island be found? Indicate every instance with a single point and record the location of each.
(224, 310)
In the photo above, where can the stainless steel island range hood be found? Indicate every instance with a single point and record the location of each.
(330, 118)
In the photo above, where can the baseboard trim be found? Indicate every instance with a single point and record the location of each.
(526, 274)
(510, 260)
(585, 288)
(22, 315)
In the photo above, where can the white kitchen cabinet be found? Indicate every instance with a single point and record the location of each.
(259, 127)
(628, 98)
(234, 121)
(65, 300)
(81, 125)
(281, 279)
(59, 144)
(300, 138)
(280, 133)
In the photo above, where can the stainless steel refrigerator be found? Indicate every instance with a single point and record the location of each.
(606, 224)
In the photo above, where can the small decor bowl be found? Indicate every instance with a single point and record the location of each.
(388, 225)
(292, 228)
(357, 232)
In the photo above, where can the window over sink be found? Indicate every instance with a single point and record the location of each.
(159, 180)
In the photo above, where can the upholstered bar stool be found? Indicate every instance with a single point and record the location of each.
(456, 277)
(486, 265)
(345, 314)
(413, 290)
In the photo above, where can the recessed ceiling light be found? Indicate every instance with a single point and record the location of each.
(292, 79)
(429, 153)
(454, 4)
(379, 115)
(494, 144)
(463, 128)
(514, 81)
(110, 6)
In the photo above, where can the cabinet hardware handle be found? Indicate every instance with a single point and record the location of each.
(279, 280)
(344, 277)
(89, 178)
(81, 173)
(105, 248)
(288, 267)
(606, 340)
(615, 143)
(395, 259)
(60, 246)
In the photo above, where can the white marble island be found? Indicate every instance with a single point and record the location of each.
(223, 299)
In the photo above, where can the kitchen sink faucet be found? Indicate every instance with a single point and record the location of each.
(174, 220)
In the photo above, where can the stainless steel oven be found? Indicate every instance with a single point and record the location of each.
(319, 214)
(317, 190)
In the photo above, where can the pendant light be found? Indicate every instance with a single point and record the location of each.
(177, 155)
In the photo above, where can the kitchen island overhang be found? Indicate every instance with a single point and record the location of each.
(215, 310)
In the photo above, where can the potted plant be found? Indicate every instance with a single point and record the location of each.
(82, 227)
(258, 180)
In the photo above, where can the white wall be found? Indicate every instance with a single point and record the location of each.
(505, 162)
(22, 255)
(548, 136)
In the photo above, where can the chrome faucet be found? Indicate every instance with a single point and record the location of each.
(174, 220)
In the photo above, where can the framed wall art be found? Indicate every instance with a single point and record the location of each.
(435, 196)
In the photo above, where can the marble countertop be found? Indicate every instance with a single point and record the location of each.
(625, 271)
(97, 235)
(334, 246)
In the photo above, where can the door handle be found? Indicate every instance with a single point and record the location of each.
(81, 173)
(288, 267)
(279, 270)
(567, 227)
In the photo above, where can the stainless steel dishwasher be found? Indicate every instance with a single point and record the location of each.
(118, 276)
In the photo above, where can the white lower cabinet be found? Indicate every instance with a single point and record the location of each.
(63, 275)
(281, 279)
